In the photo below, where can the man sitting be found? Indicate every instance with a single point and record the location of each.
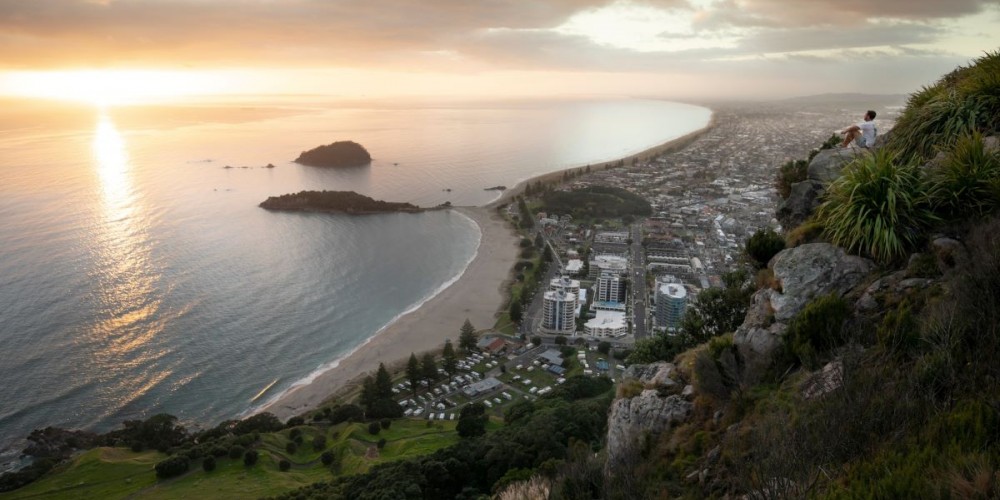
(862, 134)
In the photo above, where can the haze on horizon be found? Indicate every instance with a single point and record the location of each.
(146, 50)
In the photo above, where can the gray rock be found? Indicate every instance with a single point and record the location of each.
(633, 420)
(688, 392)
(827, 165)
(659, 374)
(800, 204)
(812, 270)
(991, 144)
(827, 380)
(948, 252)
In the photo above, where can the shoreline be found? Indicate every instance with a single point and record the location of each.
(672, 145)
(426, 326)
(423, 328)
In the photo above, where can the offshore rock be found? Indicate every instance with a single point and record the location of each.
(635, 420)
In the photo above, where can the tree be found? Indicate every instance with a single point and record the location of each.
(428, 368)
(374, 428)
(208, 464)
(450, 361)
(319, 442)
(516, 313)
(413, 372)
(536, 340)
(539, 241)
(383, 383)
(560, 340)
(172, 467)
(472, 420)
(718, 310)
(327, 458)
(604, 347)
(284, 465)
(764, 244)
(369, 394)
(467, 337)
(250, 458)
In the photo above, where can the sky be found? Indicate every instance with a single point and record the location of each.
(690, 49)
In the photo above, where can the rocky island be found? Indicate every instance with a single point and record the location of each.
(338, 154)
(347, 202)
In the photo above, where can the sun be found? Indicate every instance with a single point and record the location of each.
(111, 87)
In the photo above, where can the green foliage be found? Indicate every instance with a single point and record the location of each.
(172, 467)
(383, 383)
(335, 201)
(374, 428)
(10, 481)
(319, 442)
(449, 360)
(604, 347)
(381, 443)
(236, 452)
(817, 328)
(516, 311)
(413, 372)
(261, 422)
(250, 458)
(716, 311)
(472, 420)
(536, 340)
(208, 464)
(561, 340)
(284, 465)
(791, 172)
(899, 331)
(159, 432)
(428, 368)
(878, 207)
(658, 347)
(327, 458)
(596, 201)
(467, 336)
(346, 413)
(764, 244)
(291, 448)
(966, 99)
(967, 183)
(581, 387)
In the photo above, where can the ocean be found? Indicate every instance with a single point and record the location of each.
(138, 275)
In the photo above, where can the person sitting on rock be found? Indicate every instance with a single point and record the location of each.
(862, 134)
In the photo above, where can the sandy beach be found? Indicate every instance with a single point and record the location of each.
(476, 295)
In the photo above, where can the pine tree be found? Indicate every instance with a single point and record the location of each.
(450, 361)
(428, 368)
(467, 336)
(413, 372)
(515, 311)
(368, 393)
(383, 383)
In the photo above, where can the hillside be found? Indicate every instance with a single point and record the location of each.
(347, 202)
(337, 154)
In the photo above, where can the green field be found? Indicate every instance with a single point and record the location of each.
(110, 473)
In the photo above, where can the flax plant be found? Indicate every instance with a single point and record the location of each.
(879, 207)
(965, 183)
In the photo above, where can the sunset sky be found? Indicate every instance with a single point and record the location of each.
(147, 49)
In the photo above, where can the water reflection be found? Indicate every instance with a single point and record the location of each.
(128, 319)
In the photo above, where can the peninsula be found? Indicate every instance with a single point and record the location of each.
(347, 202)
(338, 154)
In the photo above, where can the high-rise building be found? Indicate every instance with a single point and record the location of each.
(611, 288)
(671, 302)
(558, 312)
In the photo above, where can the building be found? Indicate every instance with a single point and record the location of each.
(551, 357)
(565, 284)
(671, 302)
(617, 264)
(482, 387)
(492, 345)
(558, 312)
(607, 324)
(574, 267)
(610, 288)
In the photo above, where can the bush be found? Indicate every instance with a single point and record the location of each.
(236, 452)
(381, 443)
(295, 422)
(261, 422)
(878, 207)
(346, 413)
(319, 442)
(560, 340)
(284, 465)
(291, 448)
(764, 244)
(327, 458)
(294, 434)
(385, 422)
(208, 464)
(790, 173)
(536, 340)
(967, 183)
(250, 458)
(374, 428)
(817, 328)
(172, 467)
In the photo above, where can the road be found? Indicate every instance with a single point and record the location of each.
(639, 294)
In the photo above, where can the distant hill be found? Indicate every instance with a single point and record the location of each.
(847, 98)
(338, 154)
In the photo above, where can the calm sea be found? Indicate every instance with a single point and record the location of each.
(138, 275)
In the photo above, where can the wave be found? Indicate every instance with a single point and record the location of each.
(325, 367)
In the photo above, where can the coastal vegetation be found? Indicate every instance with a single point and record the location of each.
(337, 154)
(595, 202)
(347, 202)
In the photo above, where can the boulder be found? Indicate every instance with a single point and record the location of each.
(800, 204)
(827, 380)
(632, 420)
(812, 270)
(826, 165)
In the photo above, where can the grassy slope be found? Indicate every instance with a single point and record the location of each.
(110, 473)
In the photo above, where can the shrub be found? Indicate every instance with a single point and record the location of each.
(295, 422)
(208, 464)
(284, 465)
(967, 182)
(294, 434)
(381, 443)
(817, 328)
(319, 442)
(374, 428)
(327, 458)
(560, 340)
(250, 458)
(236, 452)
(172, 467)
(385, 422)
(764, 244)
(291, 448)
(346, 413)
(261, 422)
(790, 173)
(878, 207)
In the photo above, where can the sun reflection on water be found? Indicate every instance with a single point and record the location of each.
(129, 317)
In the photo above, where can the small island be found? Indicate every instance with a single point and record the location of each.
(495, 188)
(347, 202)
(338, 154)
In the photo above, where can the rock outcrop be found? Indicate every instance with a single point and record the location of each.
(802, 273)
(824, 168)
(657, 408)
